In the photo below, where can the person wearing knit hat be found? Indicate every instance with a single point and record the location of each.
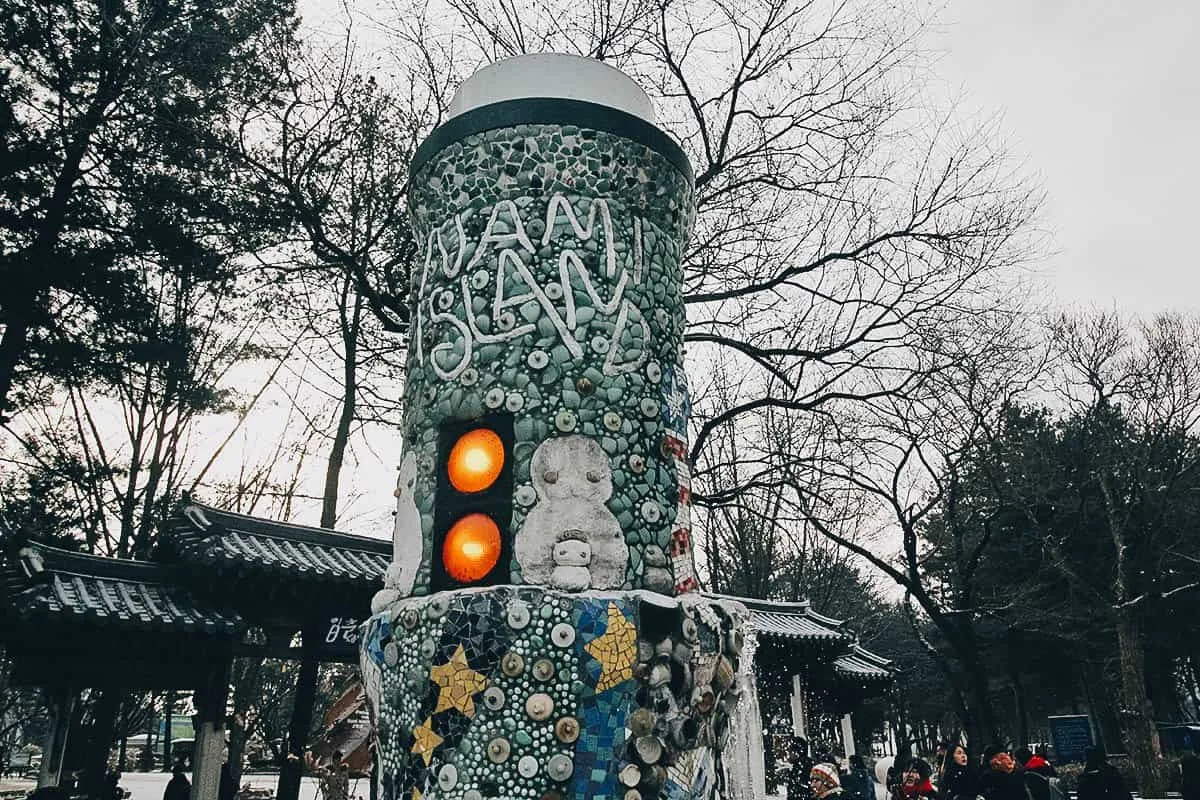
(824, 781)
(1000, 780)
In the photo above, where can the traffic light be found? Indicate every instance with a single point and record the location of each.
(473, 505)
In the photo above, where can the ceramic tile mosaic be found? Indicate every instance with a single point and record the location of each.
(553, 294)
(615, 650)
(548, 290)
(484, 691)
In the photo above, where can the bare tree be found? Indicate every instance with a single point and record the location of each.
(22, 713)
(334, 157)
(1136, 388)
(122, 449)
(838, 219)
(756, 541)
(895, 467)
(845, 228)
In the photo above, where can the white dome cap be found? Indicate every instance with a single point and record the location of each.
(554, 75)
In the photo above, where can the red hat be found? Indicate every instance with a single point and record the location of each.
(827, 773)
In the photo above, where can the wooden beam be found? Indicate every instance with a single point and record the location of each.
(292, 653)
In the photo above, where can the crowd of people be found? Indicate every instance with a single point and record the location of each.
(952, 774)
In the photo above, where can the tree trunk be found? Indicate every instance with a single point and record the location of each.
(1020, 712)
(123, 731)
(1192, 671)
(901, 720)
(350, 324)
(1164, 686)
(146, 757)
(292, 769)
(12, 348)
(1098, 691)
(1136, 713)
(247, 685)
(981, 726)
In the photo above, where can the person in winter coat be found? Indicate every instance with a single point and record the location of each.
(999, 779)
(798, 778)
(226, 788)
(112, 789)
(958, 779)
(1035, 763)
(825, 783)
(857, 783)
(179, 787)
(1189, 767)
(1100, 779)
(1037, 773)
(915, 783)
(891, 781)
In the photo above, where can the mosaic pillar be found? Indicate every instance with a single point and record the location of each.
(570, 656)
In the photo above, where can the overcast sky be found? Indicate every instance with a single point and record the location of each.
(1103, 99)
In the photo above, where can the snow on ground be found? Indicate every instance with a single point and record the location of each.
(150, 785)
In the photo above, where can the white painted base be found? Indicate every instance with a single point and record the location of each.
(210, 755)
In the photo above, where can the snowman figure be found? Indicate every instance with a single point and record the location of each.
(407, 542)
(570, 540)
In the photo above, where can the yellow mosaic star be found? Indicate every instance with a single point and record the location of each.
(426, 740)
(459, 683)
(616, 650)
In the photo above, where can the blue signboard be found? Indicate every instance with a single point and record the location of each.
(1071, 735)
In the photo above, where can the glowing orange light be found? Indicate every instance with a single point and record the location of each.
(472, 548)
(476, 460)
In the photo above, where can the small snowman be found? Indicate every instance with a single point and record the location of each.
(407, 542)
(570, 540)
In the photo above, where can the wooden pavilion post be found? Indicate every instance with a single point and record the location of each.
(168, 721)
(122, 729)
(62, 702)
(292, 770)
(209, 753)
(799, 711)
(848, 735)
(104, 719)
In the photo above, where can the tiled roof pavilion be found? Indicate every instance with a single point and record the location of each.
(205, 551)
(44, 584)
(224, 540)
(787, 623)
(215, 575)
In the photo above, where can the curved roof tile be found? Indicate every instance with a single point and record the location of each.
(45, 582)
(862, 664)
(210, 536)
